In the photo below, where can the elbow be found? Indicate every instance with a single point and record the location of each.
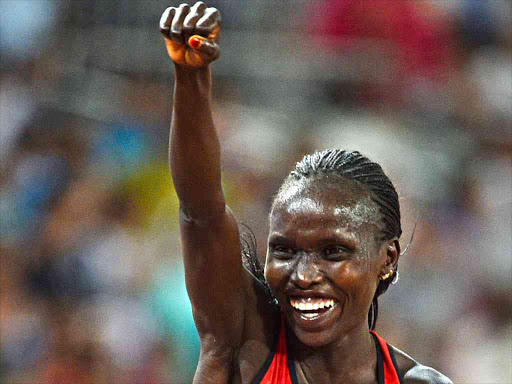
(203, 212)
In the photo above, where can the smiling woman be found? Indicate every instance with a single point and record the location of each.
(333, 248)
(328, 200)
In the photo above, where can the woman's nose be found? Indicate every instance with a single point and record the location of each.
(306, 273)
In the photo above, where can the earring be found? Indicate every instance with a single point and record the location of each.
(386, 275)
(396, 278)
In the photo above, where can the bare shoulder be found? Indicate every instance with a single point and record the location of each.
(416, 373)
(421, 374)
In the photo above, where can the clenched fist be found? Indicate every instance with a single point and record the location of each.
(191, 34)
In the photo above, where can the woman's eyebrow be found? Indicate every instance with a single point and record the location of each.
(279, 239)
(346, 239)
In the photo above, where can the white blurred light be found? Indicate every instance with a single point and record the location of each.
(25, 26)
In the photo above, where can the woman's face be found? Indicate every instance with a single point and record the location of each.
(323, 258)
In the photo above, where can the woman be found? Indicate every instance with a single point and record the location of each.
(333, 248)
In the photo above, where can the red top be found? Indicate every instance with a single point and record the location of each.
(279, 368)
(388, 372)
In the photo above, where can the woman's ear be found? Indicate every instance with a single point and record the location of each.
(392, 249)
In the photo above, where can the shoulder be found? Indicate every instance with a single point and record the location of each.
(421, 374)
(416, 373)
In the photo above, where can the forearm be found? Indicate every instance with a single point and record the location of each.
(194, 149)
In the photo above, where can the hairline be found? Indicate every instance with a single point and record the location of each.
(322, 176)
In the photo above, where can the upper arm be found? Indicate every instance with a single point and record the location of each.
(421, 374)
(217, 283)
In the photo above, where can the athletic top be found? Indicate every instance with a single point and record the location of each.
(279, 368)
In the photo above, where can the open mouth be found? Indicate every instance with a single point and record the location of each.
(312, 308)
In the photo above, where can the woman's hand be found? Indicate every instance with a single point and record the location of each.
(191, 34)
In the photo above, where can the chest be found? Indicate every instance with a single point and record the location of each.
(280, 366)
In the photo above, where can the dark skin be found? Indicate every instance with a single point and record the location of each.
(318, 245)
(317, 250)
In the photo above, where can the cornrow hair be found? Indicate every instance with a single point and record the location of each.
(354, 166)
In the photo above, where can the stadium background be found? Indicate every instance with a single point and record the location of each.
(91, 282)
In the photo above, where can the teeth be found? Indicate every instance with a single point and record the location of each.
(309, 304)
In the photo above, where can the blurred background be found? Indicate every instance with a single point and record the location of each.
(91, 278)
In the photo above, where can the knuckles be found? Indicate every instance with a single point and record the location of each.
(178, 24)
(184, 20)
(176, 36)
(186, 16)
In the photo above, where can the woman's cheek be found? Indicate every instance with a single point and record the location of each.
(356, 277)
(352, 274)
(349, 272)
(271, 275)
(275, 274)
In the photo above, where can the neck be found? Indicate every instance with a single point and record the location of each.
(351, 357)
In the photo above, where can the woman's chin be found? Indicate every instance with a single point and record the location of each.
(314, 339)
(315, 330)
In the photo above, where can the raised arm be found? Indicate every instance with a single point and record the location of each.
(194, 150)
(216, 280)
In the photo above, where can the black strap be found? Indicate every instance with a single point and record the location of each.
(268, 362)
(380, 361)
(291, 360)
(392, 354)
(293, 372)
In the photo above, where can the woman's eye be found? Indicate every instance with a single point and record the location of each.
(335, 252)
(282, 252)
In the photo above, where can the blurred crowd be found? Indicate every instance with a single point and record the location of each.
(91, 279)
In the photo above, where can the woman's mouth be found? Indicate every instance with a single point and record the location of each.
(312, 309)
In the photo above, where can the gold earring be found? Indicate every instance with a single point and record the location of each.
(386, 275)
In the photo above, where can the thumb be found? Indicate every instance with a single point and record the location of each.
(204, 46)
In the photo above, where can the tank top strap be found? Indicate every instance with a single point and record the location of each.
(387, 368)
(279, 368)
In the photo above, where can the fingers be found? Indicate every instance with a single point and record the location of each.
(191, 33)
(179, 24)
(206, 47)
(176, 32)
(166, 19)
(209, 25)
(189, 24)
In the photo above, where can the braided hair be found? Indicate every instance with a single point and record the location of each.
(356, 167)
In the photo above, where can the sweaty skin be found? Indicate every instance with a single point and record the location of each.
(325, 252)
(363, 211)
(332, 239)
